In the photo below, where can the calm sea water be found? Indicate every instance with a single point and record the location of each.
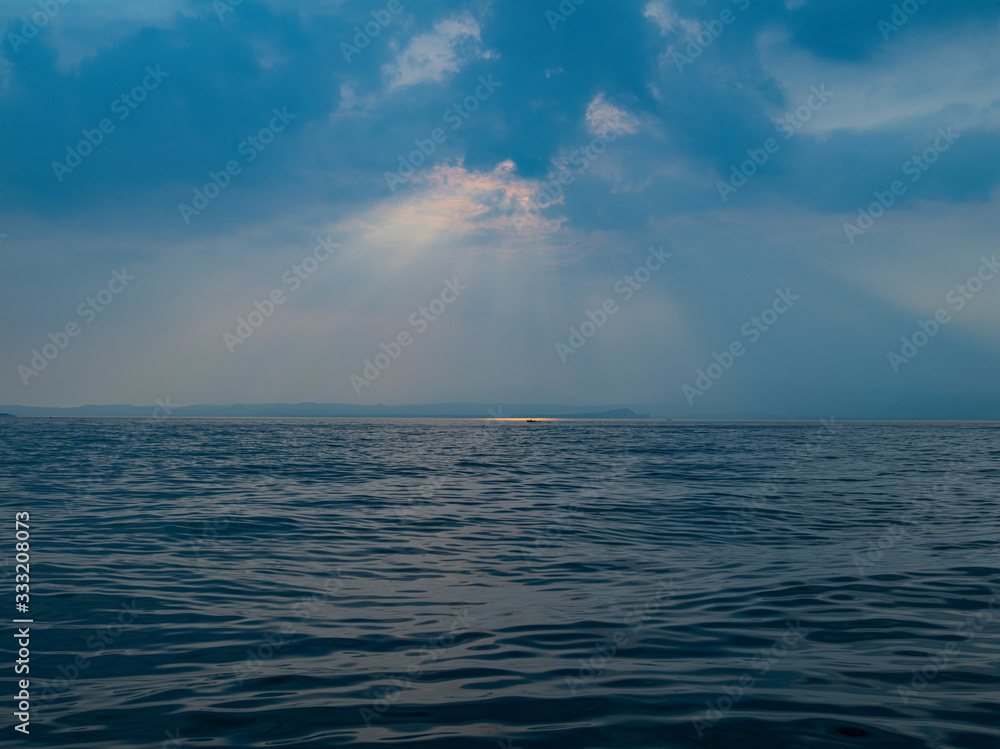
(266, 583)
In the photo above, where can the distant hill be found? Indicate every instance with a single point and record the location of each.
(331, 410)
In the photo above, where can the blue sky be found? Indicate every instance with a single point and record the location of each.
(530, 157)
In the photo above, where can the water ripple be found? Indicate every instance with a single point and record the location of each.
(313, 583)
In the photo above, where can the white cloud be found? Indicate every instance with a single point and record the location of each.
(266, 53)
(916, 75)
(85, 28)
(351, 104)
(430, 56)
(453, 201)
(603, 117)
(660, 13)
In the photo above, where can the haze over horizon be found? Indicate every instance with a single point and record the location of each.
(379, 199)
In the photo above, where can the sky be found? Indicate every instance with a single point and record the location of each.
(721, 207)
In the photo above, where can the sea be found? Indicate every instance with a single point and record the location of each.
(499, 583)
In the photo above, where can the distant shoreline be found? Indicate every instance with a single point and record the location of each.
(652, 413)
(334, 410)
(520, 419)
